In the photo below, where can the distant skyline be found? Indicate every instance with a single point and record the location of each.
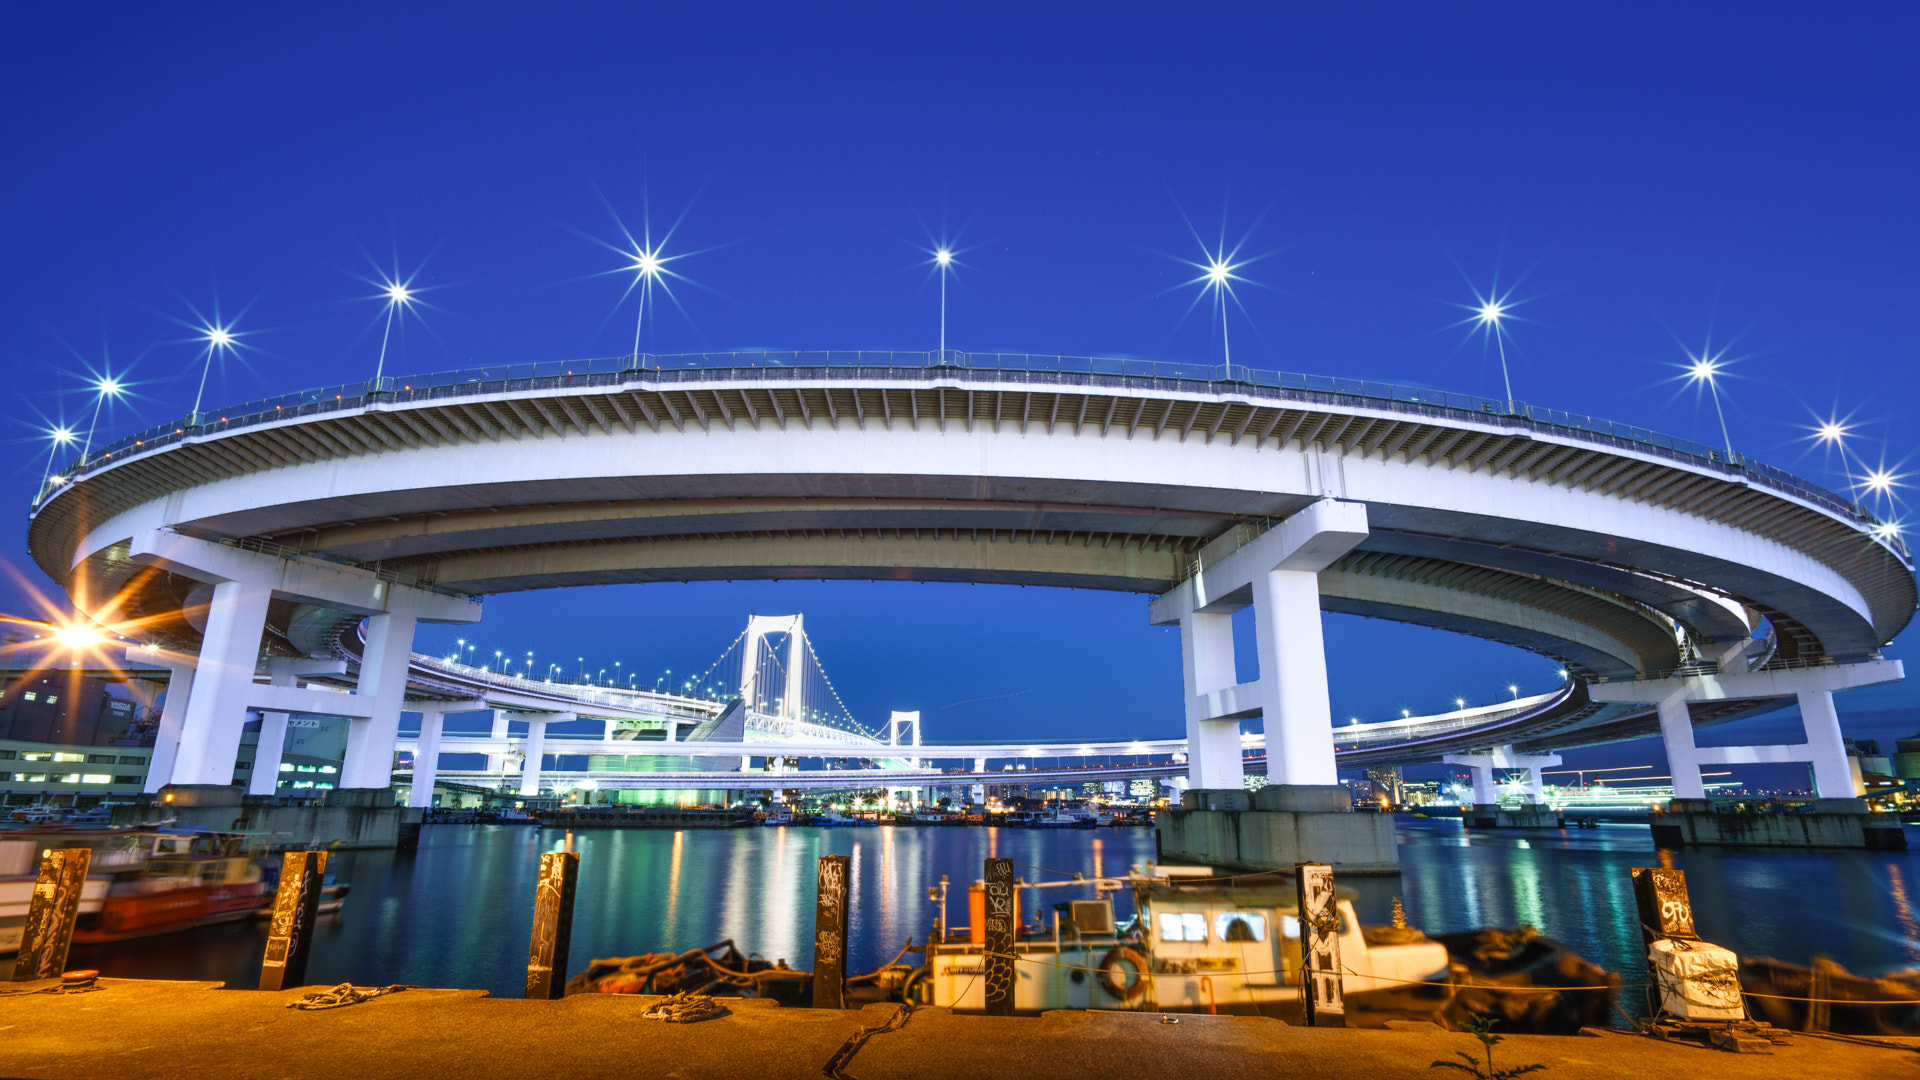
(1640, 188)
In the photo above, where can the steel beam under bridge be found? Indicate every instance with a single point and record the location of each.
(816, 780)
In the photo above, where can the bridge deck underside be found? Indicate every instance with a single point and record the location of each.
(1602, 552)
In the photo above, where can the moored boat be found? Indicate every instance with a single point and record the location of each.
(140, 882)
(1200, 943)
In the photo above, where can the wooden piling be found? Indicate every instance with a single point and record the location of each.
(1320, 945)
(830, 933)
(48, 934)
(296, 907)
(552, 926)
(1002, 920)
(1666, 911)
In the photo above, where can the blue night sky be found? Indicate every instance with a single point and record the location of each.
(1648, 181)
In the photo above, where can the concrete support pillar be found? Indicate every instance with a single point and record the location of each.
(530, 768)
(265, 778)
(498, 762)
(1536, 785)
(1206, 661)
(383, 678)
(673, 733)
(1485, 791)
(217, 708)
(166, 738)
(426, 758)
(272, 745)
(1676, 731)
(1832, 776)
(1293, 678)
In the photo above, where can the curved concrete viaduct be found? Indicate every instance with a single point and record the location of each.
(1627, 556)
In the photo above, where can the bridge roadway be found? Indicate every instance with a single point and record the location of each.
(1659, 572)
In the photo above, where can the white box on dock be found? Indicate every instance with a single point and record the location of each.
(1697, 981)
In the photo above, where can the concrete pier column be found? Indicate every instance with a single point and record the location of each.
(1832, 776)
(217, 708)
(1485, 791)
(426, 757)
(1536, 784)
(1676, 731)
(530, 768)
(272, 745)
(1298, 715)
(383, 678)
(173, 714)
(265, 778)
(498, 762)
(1206, 661)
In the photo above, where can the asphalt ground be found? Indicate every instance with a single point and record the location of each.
(155, 1030)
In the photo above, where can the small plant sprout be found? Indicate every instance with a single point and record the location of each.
(1481, 1027)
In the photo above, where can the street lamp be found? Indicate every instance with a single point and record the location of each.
(61, 436)
(943, 258)
(397, 296)
(1489, 314)
(1218, 275)
(1704, 369)
(217, 338)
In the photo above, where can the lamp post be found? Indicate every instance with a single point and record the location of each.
(943, 258)
(1490, 313)
(1705, 369)
(398, 296)
(107, 387)
(217, 338)
(61, 436)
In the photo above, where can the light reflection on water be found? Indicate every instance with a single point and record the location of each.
(458, 912)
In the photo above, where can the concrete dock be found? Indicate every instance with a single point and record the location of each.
(156, 1030)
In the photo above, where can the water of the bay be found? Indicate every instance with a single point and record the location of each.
(457, 913)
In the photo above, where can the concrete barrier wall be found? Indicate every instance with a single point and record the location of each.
(290, 826)
(1878, 832)
(1352, 843)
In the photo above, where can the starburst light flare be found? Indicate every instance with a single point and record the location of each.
(1706, 368)
(1217, 276)
(218, 338)
(1489, 314)
(107, 388)
(943, 258)
(398, 294)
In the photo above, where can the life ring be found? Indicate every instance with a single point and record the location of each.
(1115, 968)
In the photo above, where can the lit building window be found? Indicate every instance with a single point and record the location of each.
(286, 766)
(96, 778)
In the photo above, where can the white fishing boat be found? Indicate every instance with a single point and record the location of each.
(1205, 943)
(1198, 943)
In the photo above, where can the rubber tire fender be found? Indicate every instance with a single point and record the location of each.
(1113, 982)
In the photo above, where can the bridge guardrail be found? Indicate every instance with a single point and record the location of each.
(933, 366)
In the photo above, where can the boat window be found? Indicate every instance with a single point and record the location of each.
(1240, 926)
(1183, 926)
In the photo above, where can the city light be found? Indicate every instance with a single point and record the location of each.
(398, 295)
(1489, 312)
(1217, 275)
(78, 637)
(1706, 369)
(218, 338)
(943, 259)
